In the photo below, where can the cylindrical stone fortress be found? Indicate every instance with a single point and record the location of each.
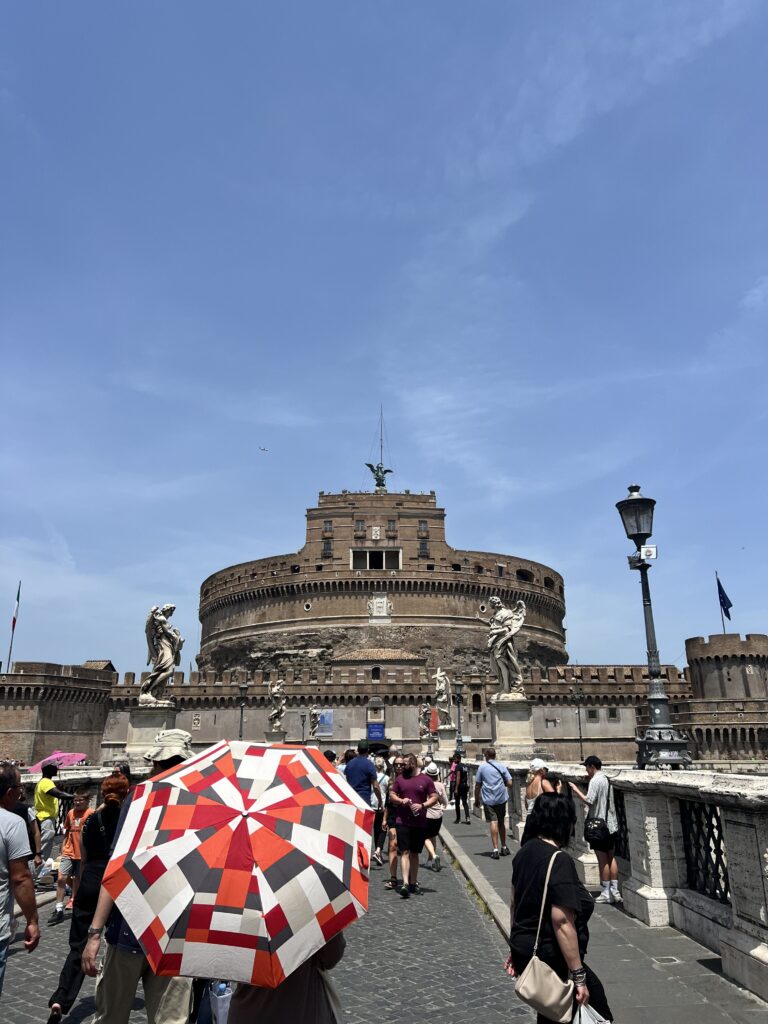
(375, 572)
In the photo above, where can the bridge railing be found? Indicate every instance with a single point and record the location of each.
(692, 849)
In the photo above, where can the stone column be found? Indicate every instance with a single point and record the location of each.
(512, 724)
(446, 738)
(653, 856)
(144, 723)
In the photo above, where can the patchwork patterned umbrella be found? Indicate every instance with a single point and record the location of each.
(242, 862)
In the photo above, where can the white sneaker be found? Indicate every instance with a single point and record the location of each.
(604, 897)
(616, 896)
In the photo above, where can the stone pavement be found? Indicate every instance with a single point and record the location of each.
(651, 975)
(435, 959)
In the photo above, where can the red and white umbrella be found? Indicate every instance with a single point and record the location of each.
(242, 862)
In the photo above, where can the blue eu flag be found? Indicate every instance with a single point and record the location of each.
(725, 602)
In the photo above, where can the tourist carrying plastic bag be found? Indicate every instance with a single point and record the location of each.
(586, 1015)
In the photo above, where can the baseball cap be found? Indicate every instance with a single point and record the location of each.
(537, 764)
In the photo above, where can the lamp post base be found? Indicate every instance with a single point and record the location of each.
(663, 747)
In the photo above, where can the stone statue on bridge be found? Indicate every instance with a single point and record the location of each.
(425, 716)
(164, 643)
(314, 721)
(443, 697)
(502, 627)
(279, 700)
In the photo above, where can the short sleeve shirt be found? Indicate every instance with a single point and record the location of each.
(529, 871)
(597, 795)
(14, 845)
(492, 778)
(73, 826)
(46, 806)
(417, 789)
(360, 773)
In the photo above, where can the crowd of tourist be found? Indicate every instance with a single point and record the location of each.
(409, 800)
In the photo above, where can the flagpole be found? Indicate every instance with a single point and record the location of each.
(13, 627)
(722, 617)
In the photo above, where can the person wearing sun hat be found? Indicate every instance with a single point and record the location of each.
(536, 783)
(434, 817)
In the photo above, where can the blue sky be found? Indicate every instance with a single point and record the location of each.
(536, 233)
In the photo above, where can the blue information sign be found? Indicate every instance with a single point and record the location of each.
(375, 730)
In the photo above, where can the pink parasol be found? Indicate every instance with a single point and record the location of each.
(59, 757)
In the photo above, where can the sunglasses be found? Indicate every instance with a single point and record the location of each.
(399, 764)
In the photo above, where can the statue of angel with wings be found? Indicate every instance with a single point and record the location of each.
(164, 643)
(279, 700)
(314, 721)
(425, 715)
(379, 474)
(502, 626)
(443, 697)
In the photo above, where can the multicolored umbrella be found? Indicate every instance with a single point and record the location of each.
(242, 862)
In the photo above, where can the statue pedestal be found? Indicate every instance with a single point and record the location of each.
(144, 723)
(275, 735)
(446, 737)
(512, 724)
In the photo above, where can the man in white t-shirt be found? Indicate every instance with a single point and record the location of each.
(15, 876)
(598, 801)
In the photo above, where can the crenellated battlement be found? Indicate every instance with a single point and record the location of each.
(727, 645)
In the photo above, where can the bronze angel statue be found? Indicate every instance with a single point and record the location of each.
(379, 473)
(164, 643)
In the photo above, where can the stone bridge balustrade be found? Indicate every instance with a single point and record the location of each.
(692, 853)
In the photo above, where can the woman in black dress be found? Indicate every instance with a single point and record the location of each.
(564, 934)
(96, 842)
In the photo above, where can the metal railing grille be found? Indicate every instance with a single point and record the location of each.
(621, 848)
(705, 859)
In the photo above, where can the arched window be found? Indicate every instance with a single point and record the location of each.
(376, 673)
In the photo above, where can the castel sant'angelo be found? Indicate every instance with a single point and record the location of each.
(356, 625)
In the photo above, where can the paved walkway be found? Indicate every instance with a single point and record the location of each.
(651, 975)
(432, 959)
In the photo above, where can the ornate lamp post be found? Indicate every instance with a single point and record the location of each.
(303, 717)
(458, 700)
(243, 688)
(662, 744)
(578, 696)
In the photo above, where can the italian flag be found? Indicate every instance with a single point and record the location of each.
(16, 610)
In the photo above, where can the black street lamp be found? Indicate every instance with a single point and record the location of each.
(578, 696)
(243, 688)
(662, 744)
(303, 717)
(458, 700)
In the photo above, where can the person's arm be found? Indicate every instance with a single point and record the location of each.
(61, 794)
(36, 844)
(546, 785)
(24, 894)
(91, 950)
(377, 790)
(577, 792)
(564, 927)
(478, 780)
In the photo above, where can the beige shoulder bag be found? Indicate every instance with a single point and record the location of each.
(540, 986)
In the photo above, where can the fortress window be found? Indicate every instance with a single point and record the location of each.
(423, 547)
(613, 714)
(593, 715)
(456, 567)
(431, 568)
(479, 570)
(359, 526)
(318, 568)
(423, 526)
(477, 704)
(327, 526)
(295, 568)
(375, 673)
(524, 576)
(362, 558)
(549, 583)
(499, 570)
(328, 547)
(391, 525)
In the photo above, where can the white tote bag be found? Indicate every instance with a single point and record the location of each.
(586, 1015)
